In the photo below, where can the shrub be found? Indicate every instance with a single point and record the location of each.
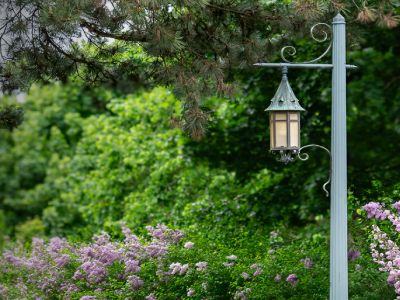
(164, 265)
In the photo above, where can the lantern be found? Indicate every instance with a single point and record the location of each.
(284, 115)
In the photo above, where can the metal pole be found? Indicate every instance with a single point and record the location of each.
(338, 234)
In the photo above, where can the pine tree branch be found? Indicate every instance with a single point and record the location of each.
(123, 37)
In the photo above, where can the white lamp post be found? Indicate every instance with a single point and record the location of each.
(285, 133)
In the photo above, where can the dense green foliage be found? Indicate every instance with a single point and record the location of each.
(80, 168)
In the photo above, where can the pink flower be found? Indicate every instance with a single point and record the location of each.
(292, 279)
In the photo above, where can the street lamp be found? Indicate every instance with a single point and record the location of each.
(282, 140)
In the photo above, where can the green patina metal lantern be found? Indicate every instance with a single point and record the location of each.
(284, 115)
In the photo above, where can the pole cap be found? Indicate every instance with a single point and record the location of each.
(339, 19)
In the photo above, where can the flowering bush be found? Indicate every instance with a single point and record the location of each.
(385, 252)
(159, 266)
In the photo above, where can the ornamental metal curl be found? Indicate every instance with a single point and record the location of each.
(291, 51)
(305, 156)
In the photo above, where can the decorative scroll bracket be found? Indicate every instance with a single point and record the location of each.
(305, 156)
(291, 51)
(287, 156)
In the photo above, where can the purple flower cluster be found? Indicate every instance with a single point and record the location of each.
(292, 279)
(396, 206)
(257, 269)
(44, 266)
(375, 210)
(307, 262)
(242, 295)
(178, 269)
(58, 268)
(384, 251)
(353, 254)
(201, 266)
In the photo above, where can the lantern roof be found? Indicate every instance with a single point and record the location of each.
(284, 99)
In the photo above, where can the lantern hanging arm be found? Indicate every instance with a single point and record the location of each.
(310, 64)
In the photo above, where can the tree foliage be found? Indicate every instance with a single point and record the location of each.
(196, 45)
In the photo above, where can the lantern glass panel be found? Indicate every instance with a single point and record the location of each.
(294, 134)
(281, 134)
(280, 116)
(294, 116)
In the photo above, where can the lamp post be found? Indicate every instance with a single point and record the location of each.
(285, 109)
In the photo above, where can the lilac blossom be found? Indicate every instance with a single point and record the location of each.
(231, 257)
(384, 251)
(62, 261)
(163, 233)
(87, 298)
(132, 266)
(292, 279)
(258, 270)
(156, 249)
(242, 294)
(135, 282)
(245, 275)
(151, 297)
(353, 254)
(375, 210)
(178, 269)
(201, 266)
(396, 206)
(3, 291)
(387, 255)
(94, 271)
(188, 245)
(307, 262)
(277, 278)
